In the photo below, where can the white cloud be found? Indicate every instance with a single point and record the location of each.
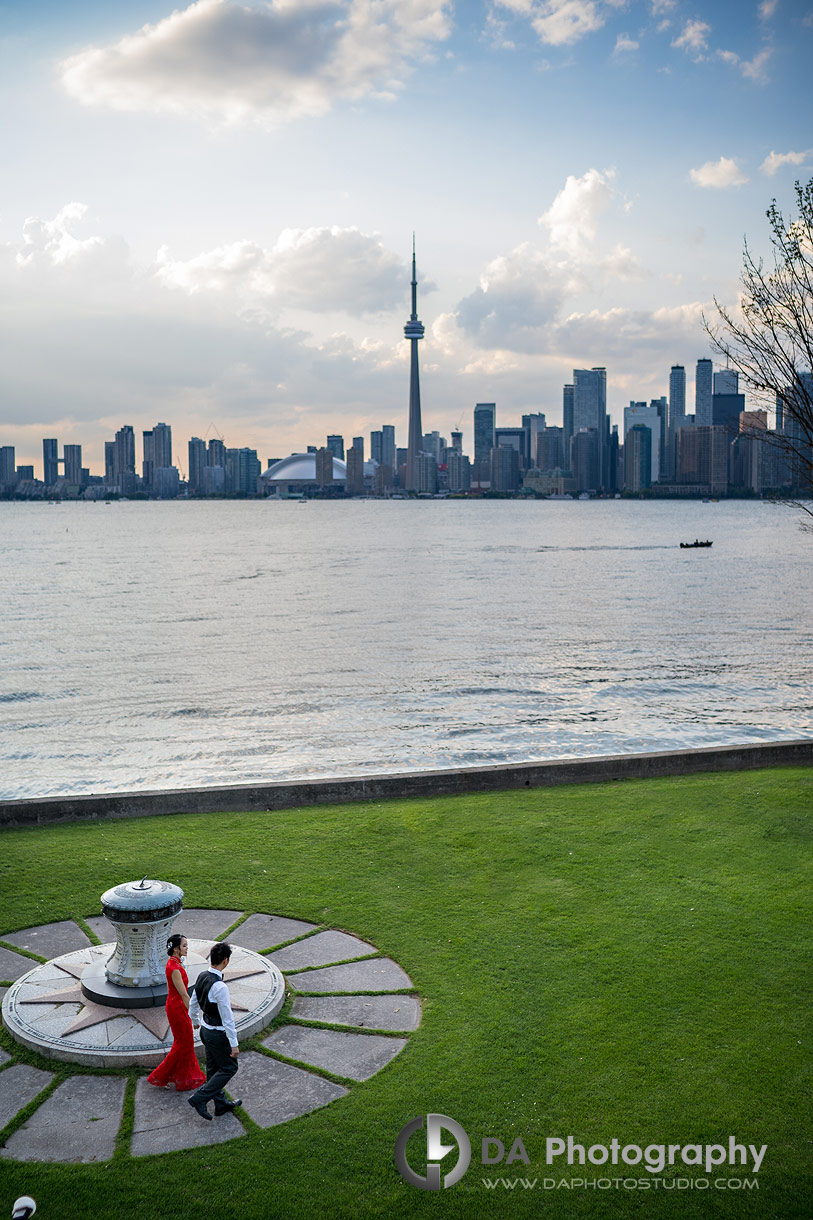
(774, 161)
(694, 37)
(559, 22)
(624, 43)
(317, 269)
(767, 9)
(718, 174)
(522, 295)
(53, 242)
(621, 264)
(573, 216)
(519, 294)
(662, 6)
(622, 333)
(754, 69)
(93, 351)
(223, 61)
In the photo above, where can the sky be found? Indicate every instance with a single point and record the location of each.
(206, 213)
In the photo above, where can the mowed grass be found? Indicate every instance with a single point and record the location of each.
(624, 960)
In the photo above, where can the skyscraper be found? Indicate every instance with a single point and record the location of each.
(375, 446)
(197, 463)
(335, 444)
(162, 445)
(589, 399)
(726, 381)
(124, 460)
(414, 331)
(702, 394)
(324, 467)
(354, 479)
(388, 446)
(677, 396)
(638, 414)
(459, 471)
(585, 452)
(485, 414)
(567, 421)
(431, 443)
(638, 458)
(50, 461)
(147, 456)
(550, 452)
(534, 425)
(8, 468)
(505, 472)
(73, 464)
(590, 411)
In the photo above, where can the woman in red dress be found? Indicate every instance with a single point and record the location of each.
(180, 1067)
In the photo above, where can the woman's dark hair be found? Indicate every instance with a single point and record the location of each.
(173, 943)
(221, 952)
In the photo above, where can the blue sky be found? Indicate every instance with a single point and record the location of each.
(206, 213)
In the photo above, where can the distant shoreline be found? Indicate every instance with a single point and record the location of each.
(627, 497)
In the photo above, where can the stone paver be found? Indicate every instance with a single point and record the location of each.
(13, 965)
(266, 931)
(381, 974)
(4, 1056)
(275, 1092)
(200, 924)
(397, 1012)
(102, 927)
(49, 939)
(357, 1056)
(321, 950)
(19, 1084)
(165, 1122)
(78, 1123)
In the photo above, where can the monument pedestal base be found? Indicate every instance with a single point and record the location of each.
(63, 1010)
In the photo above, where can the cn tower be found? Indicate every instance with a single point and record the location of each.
(414, 331)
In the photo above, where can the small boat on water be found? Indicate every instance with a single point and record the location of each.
(689, 546)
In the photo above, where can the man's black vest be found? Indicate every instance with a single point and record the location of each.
(210, 1010)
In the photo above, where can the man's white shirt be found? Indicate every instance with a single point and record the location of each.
(218, 994)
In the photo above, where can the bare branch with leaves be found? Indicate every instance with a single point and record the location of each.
(768, 336)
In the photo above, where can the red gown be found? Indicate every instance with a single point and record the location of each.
(180, 1067)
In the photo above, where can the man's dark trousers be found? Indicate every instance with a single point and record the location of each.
(220, 1066)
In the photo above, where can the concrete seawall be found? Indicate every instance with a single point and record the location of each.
(449, 782)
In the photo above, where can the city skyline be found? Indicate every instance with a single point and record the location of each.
(187, 240)
(724, 450)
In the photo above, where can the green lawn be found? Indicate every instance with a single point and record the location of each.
(624, 960)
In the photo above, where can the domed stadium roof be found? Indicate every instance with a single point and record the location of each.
(301, 468)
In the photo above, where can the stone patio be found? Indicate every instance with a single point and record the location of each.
(79, 1122)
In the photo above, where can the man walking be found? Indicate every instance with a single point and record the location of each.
(210, 1006)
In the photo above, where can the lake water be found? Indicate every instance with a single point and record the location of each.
(151, 645)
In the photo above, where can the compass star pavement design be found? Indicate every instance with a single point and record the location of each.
(351, 1015)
